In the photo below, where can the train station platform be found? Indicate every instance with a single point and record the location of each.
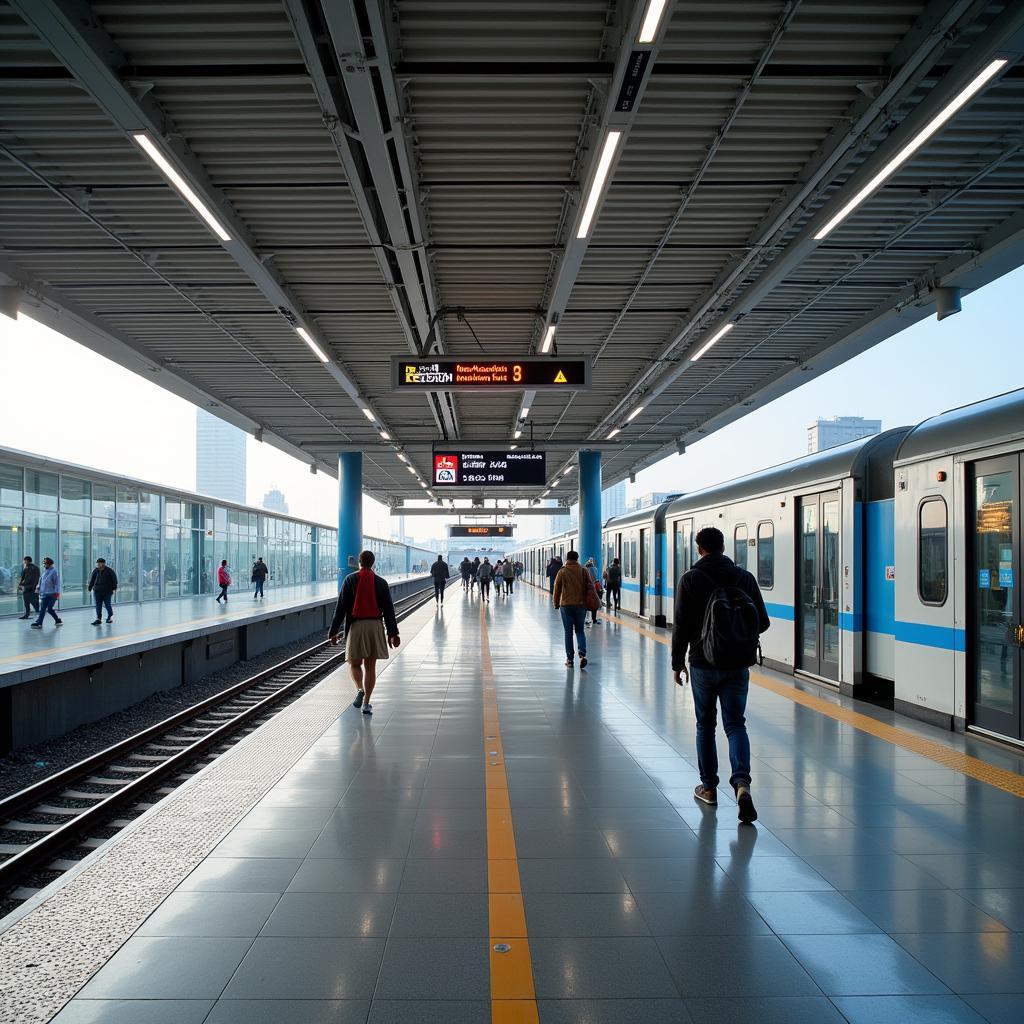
(507, 840)
(54, 679)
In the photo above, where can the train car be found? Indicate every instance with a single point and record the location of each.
(957, 627)
(535, 555)
(812, 531)
(638, 541)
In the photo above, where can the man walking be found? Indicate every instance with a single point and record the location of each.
(260, 572)
(719, 616)
(485, 574)
(223, 581)
(439, 573)
(366, 610)
(28, 584)
(551, 572)
(508, 572)
(613, 585)
(49, 593)
(569, 596)
(102, 584)
(465, 571)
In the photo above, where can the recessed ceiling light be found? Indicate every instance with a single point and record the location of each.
(525, 412)
(604, 165)
(718, 335)
(649, 28)
(907, 151)
(148, 147)
(317, 350)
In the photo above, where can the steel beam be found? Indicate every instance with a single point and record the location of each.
(78, 40)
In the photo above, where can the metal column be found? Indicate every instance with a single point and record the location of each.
(590, 508)
(350, 512)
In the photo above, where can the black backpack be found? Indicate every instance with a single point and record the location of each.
(731, 635)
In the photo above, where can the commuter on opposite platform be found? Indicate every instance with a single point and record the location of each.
(573, 592)
(365, 609)
(49, 593)
(223, 581)
(260, 572)
(719, 617)
(439, 573)
(28, 584)
(102, 585)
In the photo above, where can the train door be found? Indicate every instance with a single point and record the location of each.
(817, 611)
(682, 543)
(645, 568)
(995, 639)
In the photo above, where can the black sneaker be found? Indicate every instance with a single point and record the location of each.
(110, 618)
(59, 622)
(37, 625)
(97, 622)
(358, 702)
(706, 794)
(745, 803)
(367, 709)
(22, 616)
(583, 661)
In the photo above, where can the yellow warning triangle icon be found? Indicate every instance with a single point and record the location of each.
(560, 378)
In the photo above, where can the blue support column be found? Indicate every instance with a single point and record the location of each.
(590, 508)
(350, 512)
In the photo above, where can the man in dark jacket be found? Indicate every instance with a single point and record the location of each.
(364, 601)
(711, 685)
(28, 584)
(465, 570)
(102, 584)
(260, 572)
(439, 573)
(613, 585)
(552, 571)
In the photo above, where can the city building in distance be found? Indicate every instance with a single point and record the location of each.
(220, 458)
(275, 501)
(824, 434)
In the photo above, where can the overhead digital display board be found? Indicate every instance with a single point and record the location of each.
(489, 469)
(511, 374)
(480, 531)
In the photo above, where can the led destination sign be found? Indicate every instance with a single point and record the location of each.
(480, 531)
(490, 374)
(490, 469)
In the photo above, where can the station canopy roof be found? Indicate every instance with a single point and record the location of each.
(792, 181)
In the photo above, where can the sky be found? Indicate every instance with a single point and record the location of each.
(101, 415)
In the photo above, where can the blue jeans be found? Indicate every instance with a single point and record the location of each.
(709, 686)
(574, 618)
(101, 600)
(259, 587)
(46, 607)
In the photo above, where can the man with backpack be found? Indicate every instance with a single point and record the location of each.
(719, 617)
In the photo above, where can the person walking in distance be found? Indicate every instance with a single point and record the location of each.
(260, 572)
(508, 571)
(591, 568)
(365, 609)
(465, 571)
(552, 571)
(485, 574)
(439, 573)
(474, 573)
(719, 617)
(499, 580)
(28, 584)
(569, 597)
(49, 594)
(102, 585)
(613, 585)
(223, 581)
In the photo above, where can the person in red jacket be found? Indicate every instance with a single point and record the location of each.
(365, 609)
(223, 581)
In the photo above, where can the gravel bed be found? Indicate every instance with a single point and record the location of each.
(23, 767)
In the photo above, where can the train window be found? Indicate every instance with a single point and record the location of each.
(632, 559)
(739, 546)
(766, 555)
(931, 551)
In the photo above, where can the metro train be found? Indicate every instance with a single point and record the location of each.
(890, 566)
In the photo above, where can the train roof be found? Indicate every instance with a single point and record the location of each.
(850, 459)
(641, 515)
(971, 426)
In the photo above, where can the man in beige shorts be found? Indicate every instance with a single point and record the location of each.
(366, 609)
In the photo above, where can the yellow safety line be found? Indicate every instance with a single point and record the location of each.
(513, 998)
(973, 767)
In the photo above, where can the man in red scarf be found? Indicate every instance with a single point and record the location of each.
(365, 608)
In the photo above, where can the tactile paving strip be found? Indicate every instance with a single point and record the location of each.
(49, 954)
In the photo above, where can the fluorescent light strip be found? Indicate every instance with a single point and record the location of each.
(614, 432)
(719, 334)
(401, 456)
(148, 147)
(525, 412)
(636, 412)
(604, 165)
(914, 144)
(369, 414)
(317, 350)
(549, 338)
(411, 470)
(518, 434)
(385, 435)
(649, 29)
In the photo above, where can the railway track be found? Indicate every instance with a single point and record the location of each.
(79, 808)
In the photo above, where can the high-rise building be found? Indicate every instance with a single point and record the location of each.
(220, 458)
(613, 501)
(274, 501)
(824, 434)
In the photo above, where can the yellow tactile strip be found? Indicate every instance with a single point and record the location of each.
(513, 998)
(973, 767)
